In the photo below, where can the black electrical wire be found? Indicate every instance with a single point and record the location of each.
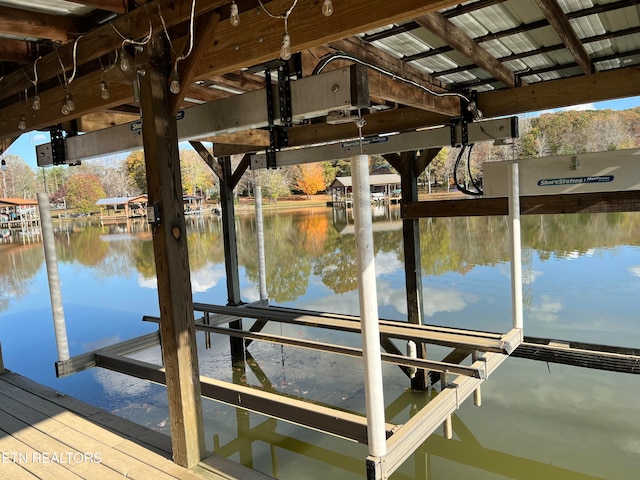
(460, 187)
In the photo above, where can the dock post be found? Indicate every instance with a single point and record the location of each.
(2, 370)
(51, 260)
(164, 185)
(262, 269)
(516, 246)
(374, 394)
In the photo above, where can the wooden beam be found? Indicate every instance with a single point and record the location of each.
(603, 202)
(104, 40)
(116, 6)
(260, 40)
(452, 35)
(394, 90)
(99, 120)
(560, 23)
(24, 23)
(207, 157)
(2, 370)
(203, 34)
(177, 326)
(18, 51)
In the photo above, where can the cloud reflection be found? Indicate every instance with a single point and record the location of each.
(201, 280)
(635, 270)
(546, 309)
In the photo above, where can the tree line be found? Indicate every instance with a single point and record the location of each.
(548, 134)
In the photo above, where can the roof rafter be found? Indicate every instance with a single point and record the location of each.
(437, 24)
(116, 6)
(559, 22)
(23, 23)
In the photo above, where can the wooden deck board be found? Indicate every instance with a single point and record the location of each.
(36, 420)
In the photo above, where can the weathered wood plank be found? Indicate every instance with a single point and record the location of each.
(177, 326)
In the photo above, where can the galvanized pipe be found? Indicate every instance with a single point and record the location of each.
(262, 269)
(368, 297)
(51, 260)
(516, 246)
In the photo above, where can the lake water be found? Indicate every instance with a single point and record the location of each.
(537, 421)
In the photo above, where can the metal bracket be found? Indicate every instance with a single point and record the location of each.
(468, 113)
(57, 146)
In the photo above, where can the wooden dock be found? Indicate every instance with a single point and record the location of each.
(48, 435)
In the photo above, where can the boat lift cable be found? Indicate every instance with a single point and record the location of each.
(459, 186)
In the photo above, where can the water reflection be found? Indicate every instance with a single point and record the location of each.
(582, 276)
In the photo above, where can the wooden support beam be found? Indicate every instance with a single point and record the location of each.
(207, 157)
(240, 169)
(104, 40)
(603, 202)
(235, 48)
(394, 90)
(229, 232)
(116, 6)
(453, 35)
(203, 35)
(17, 51)
(18, 23)
(177, 326)
(406, 164)
(560, 23)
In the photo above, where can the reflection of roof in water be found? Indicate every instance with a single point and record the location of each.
(386, 179)
(384, 226)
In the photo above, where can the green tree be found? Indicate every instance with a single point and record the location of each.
(275, 183)
(136, 170)
(310, 178)
(82, 191)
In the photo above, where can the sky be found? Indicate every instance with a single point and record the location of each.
(25, 146)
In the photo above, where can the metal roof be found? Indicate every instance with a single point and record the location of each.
(121, 200)
(482, 45)
(384, 179)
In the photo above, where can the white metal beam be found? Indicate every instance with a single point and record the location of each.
(311, 97)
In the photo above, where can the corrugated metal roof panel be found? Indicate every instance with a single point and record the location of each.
(54, 7)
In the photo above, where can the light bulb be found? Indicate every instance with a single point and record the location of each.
(65, 108)
(174, 86)
(70, 103)
(234, 18)
(125, 61)
(36, 102)
(4, 165)
(327, 8)
(22, 124)
(285, 49)
(104, 90)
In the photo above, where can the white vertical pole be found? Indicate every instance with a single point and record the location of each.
(374, 394)
(51, 260)
(516, 246)
(262, 269)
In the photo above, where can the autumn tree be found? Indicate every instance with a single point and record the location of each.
(310, 178)
(196, 174)
(274, 183)
(82, 191)
(136, 171)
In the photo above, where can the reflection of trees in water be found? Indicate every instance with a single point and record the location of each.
(299, 243)
(18, 265)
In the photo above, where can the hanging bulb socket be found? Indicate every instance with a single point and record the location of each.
(285, 49)
(36, 102)
(174, 86)
(68, 105)
(327, 8)
(234, 17)
(22, 124)
(104, 90)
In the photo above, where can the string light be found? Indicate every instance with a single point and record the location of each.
(327, 8)
(36, 98)
(104, 90)
(285, 48)
(4, 165)
(22, 124)
(68, 105)
(174, 86)
(125, 60)
(234, 17)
